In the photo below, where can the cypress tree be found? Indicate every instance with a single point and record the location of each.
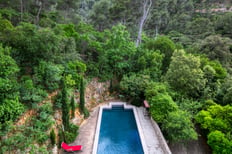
(82, 95)
(53, 137)
(65, 110)
(73, 106)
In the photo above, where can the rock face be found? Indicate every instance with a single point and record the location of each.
(96, 92)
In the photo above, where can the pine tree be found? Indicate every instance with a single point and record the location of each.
(73, 106)
(82, 95)
(65, 110)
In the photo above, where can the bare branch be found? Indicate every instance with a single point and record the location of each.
(146, 9)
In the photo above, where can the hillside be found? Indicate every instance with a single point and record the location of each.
(58, 59)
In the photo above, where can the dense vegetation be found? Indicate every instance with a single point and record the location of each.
(182, 65)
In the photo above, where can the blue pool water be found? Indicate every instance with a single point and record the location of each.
(119, 133)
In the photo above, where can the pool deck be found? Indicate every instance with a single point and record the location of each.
(88, 128)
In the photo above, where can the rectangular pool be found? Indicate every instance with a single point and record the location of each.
(118, 132)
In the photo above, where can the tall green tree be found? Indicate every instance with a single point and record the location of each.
(185, 75)
(82, 95)
(10, 107)
(73, 107)
(100, 15)
(65, 108)
(217, 48)
(222, 25)
(165, 46)
(8, 74)
(119, 50)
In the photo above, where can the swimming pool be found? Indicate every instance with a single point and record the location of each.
(117, 131)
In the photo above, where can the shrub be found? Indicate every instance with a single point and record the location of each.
(133, 87)
(219, 143)
(161, 105)
(71, 135)
(86, 113)
(48, 75)
(10, 110)
(29, 93)
(179, 127)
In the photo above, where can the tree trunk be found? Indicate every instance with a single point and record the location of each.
(146, 9)
(38, 14)
(21, 9)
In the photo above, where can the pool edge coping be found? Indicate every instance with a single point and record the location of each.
(138, 124)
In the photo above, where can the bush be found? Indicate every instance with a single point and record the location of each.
(161, 105)
(29, 93)
(68, 136)
(86, 113)
(71, 135)
(48, 75)
(219, 143)
(179, 127)
(133, 87)
(10, 110)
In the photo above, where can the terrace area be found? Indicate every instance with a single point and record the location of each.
(151, 133)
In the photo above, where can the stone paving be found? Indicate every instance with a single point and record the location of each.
(87, 132)
(150, 136)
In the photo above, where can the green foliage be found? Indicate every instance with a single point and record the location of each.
(82, 95)
(24, 137)
(190, 106)
(65, 107)
(8, 66)
(100, 14)
(185, 74)
(8, 74)
(179, 127)
(217, 48)
(165, 46)
(119, 50)
(219, 143)
(58, 103)
(227, 99)
(86, 113)
(71, 135)
(10, 110)
(222, 24)
(160, 101)
(217, 120)
(133, 87)
(214, 74)
(53, 137)
(160, 106)
(30, 94)
(223, 94)
(148, 62)
(48, 75)
(175, 123)
(73, 107)
(156, 88)
(74, 70)
(49, 49)
(216, 117)
(194, 28)
(10, 107)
